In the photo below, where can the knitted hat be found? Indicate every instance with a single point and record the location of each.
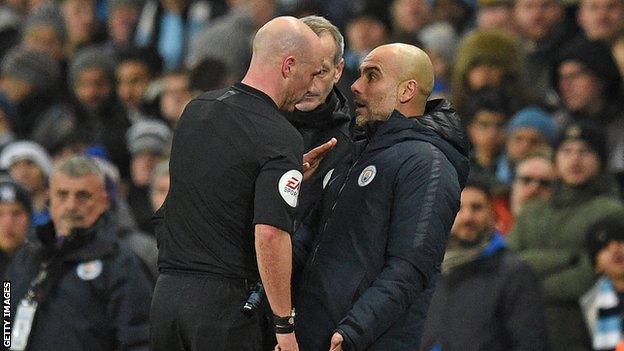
(602, 233)
(12, 192)
(596, 57)
(39, 70)
(534, 118)
(593, 136)
(149, 136)
(92, 57)
(26, 150)
(441, 38)
(47, 15)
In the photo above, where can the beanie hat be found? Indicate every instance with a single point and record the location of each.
(47, 15)
(534, 118)
(38, 69)
(594, 137)
(26, 150)
(596, 56)
(149, 136)
(602, 233)
(12, 192)
(441, 38)
(92, 57)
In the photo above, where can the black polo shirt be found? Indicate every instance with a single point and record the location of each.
(235, 162)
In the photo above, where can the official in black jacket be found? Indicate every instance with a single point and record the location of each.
(323, 113)
(96, 294)
(385, 215)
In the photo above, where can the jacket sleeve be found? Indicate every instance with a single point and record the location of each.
(129, 299)
(523, 309)
(426, 200)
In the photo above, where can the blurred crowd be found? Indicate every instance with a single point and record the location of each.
(538, 84)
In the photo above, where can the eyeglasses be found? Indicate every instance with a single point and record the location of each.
(543, 182)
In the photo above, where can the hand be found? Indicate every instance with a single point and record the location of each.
(336, 342)
(313, 158)
(286, 342)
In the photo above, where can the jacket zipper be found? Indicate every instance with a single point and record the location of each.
(344, 183)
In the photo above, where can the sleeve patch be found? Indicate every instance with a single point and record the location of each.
(289, 186)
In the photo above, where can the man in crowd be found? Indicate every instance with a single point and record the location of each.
(486, 298)
(603, 304)
(535, 178)
(236, 168)
(385, 213)
(30, 165)
(549, 233)
(89, 292)
(15, 222)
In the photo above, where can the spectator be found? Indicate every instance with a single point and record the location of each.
(170, 26)
(534, 180)
(149, 143)
(29, 164)
(176, 93)
(458, 13)
(549, 234)
(123, 16)
(44, 31)
(543, 30)
(96, 117)
(364, 31)
(603, 304)
(229, 38)
(588, 82)
(439, 41)
(486, 297)
(408, 18)
(15, 223)
(29, 81)
(135, 71)
(495, 14)
(530, 130)
(487, 58)
(82, 26)
(487, 114)
(96, 295)
(601, 19)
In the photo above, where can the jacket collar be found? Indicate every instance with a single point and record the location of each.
(82, 244)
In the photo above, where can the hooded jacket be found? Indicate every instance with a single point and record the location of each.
(329, 120)
(384, 220)
(98, 294)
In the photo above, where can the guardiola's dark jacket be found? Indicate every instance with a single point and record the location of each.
(381, 234)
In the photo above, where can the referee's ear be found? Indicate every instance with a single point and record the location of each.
(288, 66)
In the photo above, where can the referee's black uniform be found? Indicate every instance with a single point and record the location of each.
(235, 162)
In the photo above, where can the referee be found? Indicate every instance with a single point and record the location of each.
(236, 170)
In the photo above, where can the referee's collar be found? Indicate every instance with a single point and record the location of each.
(255, 92)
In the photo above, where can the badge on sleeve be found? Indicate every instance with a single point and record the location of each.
(327, 177)
(367, 175)
(289, 186)
(89, 270)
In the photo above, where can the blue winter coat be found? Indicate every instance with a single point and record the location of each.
(381, 234)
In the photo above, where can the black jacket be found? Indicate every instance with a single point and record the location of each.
(493, 304)
(329, 120)
(385, 217)
(98, 295)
